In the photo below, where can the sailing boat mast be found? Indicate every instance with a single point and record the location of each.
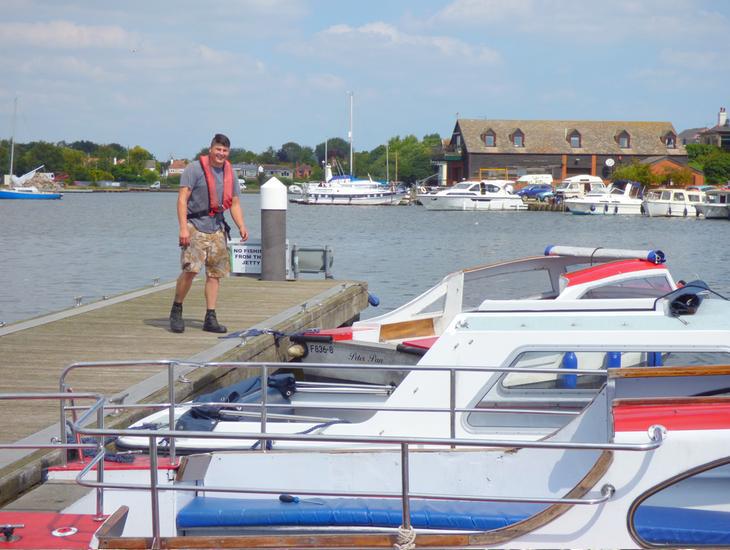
(12, 136)
(349, 134)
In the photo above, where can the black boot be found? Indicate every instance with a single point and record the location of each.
(176, 319)
(211, 323)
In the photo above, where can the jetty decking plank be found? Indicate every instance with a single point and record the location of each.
(33, 359)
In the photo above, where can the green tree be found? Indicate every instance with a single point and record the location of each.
(74, 164)
(290, 152)
(636, 171)
(42, 153)
(336, 148)
(717, 167)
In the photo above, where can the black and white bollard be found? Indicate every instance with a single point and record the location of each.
(273, 231)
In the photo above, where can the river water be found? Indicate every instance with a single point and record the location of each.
(101, 244)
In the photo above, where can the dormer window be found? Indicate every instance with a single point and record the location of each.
(670, 140)
(574, 139)
(518, 138)
(489, 138)
(624, 140)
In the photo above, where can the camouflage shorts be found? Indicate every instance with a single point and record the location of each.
(206, 249)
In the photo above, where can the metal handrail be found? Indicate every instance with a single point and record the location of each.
(97, 407)
(171, 365)
(607, 490)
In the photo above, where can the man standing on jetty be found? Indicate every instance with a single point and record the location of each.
(207, 189)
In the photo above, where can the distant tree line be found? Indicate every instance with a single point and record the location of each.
(712, 160)
(81, 160)
(408, 159)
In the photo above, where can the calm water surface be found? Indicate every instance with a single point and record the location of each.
(98, 244)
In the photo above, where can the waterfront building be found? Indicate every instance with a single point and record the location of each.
(718, 135)
(483, 147)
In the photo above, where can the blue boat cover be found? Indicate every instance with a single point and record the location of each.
(654, 524)
(682, 526)
(216, 512)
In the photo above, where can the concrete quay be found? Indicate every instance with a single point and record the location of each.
(134, 326)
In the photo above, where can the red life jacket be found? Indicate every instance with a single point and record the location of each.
(213, 206)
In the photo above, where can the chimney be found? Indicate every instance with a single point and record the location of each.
(722, 117)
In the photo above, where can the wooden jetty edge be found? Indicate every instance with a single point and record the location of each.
(134, 326)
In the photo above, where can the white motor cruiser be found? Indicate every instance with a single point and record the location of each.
(475, 195)
(664, 202)
(621, 197)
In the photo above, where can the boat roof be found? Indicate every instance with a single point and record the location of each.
(611, 269)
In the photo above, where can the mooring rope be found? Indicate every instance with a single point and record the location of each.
(406, 539)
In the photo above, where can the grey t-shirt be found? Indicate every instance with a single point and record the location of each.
(194, 178)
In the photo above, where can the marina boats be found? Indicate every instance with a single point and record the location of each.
(579, 186)
(664, 202)
(330, 358)
(625, 443)
(404, 335)
(475, 195)
(621, 197)
(716, 204)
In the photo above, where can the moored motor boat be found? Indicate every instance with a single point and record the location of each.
(663, 202)
(621, 197)
(475, 195)
(716, 204)
(404, 335)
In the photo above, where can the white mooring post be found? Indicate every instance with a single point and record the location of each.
(273, 231)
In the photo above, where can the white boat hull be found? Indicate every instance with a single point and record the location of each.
(335, 197)
(472, 203)
(714, 211)
(582, 206)
(663, 209)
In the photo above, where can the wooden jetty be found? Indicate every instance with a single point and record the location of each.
(135, 326)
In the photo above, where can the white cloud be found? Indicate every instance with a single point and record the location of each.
(65, 35)
(385, 37)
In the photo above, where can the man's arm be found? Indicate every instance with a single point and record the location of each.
(183, 197)
(237, 215)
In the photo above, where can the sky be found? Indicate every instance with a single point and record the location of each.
(168, 74)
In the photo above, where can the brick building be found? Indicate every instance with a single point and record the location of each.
(561, 148)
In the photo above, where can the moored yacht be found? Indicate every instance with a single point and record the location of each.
(716, 204)
(672, 202)
(621, 197)
(475, 195)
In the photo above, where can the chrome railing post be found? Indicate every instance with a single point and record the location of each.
(264, 401)
(62, 423)
(404, 475)
(100, 467)
(171, 398)
(154, 495)
(452, 404)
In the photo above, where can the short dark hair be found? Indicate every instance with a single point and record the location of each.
(220, 139)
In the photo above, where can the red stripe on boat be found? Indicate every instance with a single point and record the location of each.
(141, 462)
(39, 528)
(602, 271)
(341, 333)
(421, 343)
(685, 416)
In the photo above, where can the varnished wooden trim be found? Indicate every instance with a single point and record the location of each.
(113, 526)
(528, 525)
(668, 372)
(407, 329)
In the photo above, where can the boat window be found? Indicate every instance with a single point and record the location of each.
(492, 189)
(617, 191)
(487, 285)
(641, 287)
(679, 197)
(666, 195)
(536, 393)
(693, 198)
(687, 512)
